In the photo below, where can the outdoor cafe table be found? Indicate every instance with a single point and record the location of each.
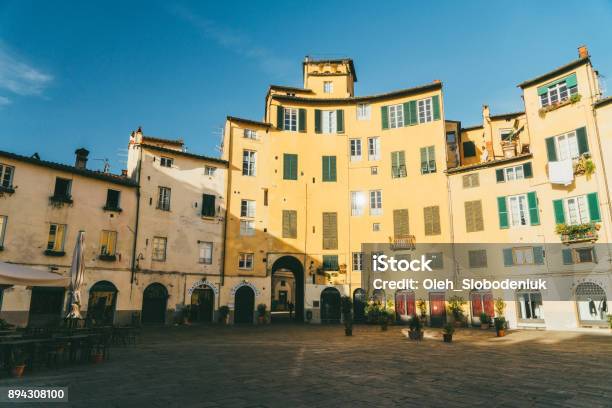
(30, 344)
(76, 342)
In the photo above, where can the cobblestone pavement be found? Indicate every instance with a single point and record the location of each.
(292, 365)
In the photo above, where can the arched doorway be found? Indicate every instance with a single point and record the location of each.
(154, 302)
(46, 306)
(359, 304)
(244, 304)
(290, 270)
(592, 304)
(330, 305)
(102, 303)
(202, 304)
(405, 305)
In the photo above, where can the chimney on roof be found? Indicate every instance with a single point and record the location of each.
(436, 81)
(81, 158)
(583, 52)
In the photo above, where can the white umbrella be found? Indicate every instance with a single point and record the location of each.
(14, 274)
(77, 269)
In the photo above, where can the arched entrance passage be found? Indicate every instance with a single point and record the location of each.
(330, 305)
(592, 304)
(154, 302)
(359, 304)
(202, 304)
(244, 304)
(102, 303)
(282, 268)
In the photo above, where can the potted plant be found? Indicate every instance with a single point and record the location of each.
(484, 321)
(455, 306)
(415, 328)
(500, 326)
(19, 362)
(447, 333)
(384, 319)
(422, 306)
(261, 313)
(224, 312)
(347, 315)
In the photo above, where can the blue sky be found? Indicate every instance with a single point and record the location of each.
(81, 73)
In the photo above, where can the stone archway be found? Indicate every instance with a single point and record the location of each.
(330, 305)
(290, 265)
(591, 304)
(154, 302)
(244, 304)
(102, 304)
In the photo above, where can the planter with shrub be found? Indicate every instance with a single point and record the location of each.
(447, 333)
(485, 321)
(415, 328)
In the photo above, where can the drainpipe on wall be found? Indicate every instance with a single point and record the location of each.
(134, 245)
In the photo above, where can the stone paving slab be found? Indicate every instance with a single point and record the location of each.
(295, 366)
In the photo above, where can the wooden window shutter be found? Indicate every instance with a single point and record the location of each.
(593, 201)
(289, 224)
(302, 120)
(431, 151)
(432, 220)
(400, 223)
(473, 216)
(527, 170)
(280, 117)
(503, 212)
(538, 255)
(330, 230)
(551, 149)
(435, 101)
(559, 213)
(290, 162)
(208, 205)
(508, 257)
(340, 121)
(583, 144)
(329, 168)
(534, 212)
(317, 114)
(384, 116)
(568, 257)
(424, 164)
(499, 175)
(413, 113)
(406, 108)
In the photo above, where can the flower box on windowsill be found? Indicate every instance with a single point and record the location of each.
(569, 101)
(59, 200)
(584, 165)
(578, 233)
(108, 258)
(50, 252)
(114, 209)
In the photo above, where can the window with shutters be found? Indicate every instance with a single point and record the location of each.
(398, 164)
(163, 198)
(473, 216)
(108, 243)
(245, 261)
(520, 172)
(57, 235)
(358, 201)
(373, 148)
(400, 223)
(289, 224)
(355, 149)
(357, 261)
(209, 207)
(329, 168)
(247, 208)
(247, 228)
(567, 146)
(290, 166)
(432, 220)
(112, 200)
(579, 255)
(329, 122)
(3, 221)
(396, 116)
(62, 189)
(330, 230)
(6, 176)
(471, 180)
(249, 162)
(523, 256)
(558, 91)
(330, 262)
(205, 252)
(425, 110)
(363, 111)
(477, 258)
(166, 161)
(576, 210)
(428, 160)
(514, 173)
(158, 249)
(376, 202)
(290, 119)
(518, 210)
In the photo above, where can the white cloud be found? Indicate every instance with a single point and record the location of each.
(4, 101)
(18, 77)
(237, 42)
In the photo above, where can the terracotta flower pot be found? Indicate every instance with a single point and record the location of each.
(18, 370)
(501, 333)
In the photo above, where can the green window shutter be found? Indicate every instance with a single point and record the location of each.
(317, 113)
(289, 224)
(413, 113)
(325, 168)
(302, 120)
(400, 223)
(406, 113)
(384, 116)
(469, 149)
(435, 101)
(208, 205)
(568, 258)
(508, 258)
(538, 255)
(551, 150)
(424, 164)
(290, 163)
(499, 175)
(329, 168)
(571, 81)
(559, 213)
(340, 121)
(527, 170)
(330, 230)
(583, 144)
(534, 212)
(542, 90)
(431, 151)
(503, 212)
(594, 207)
(280, 117)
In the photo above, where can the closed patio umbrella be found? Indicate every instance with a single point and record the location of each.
(77, 269)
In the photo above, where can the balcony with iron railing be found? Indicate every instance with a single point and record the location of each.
(400, 242)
